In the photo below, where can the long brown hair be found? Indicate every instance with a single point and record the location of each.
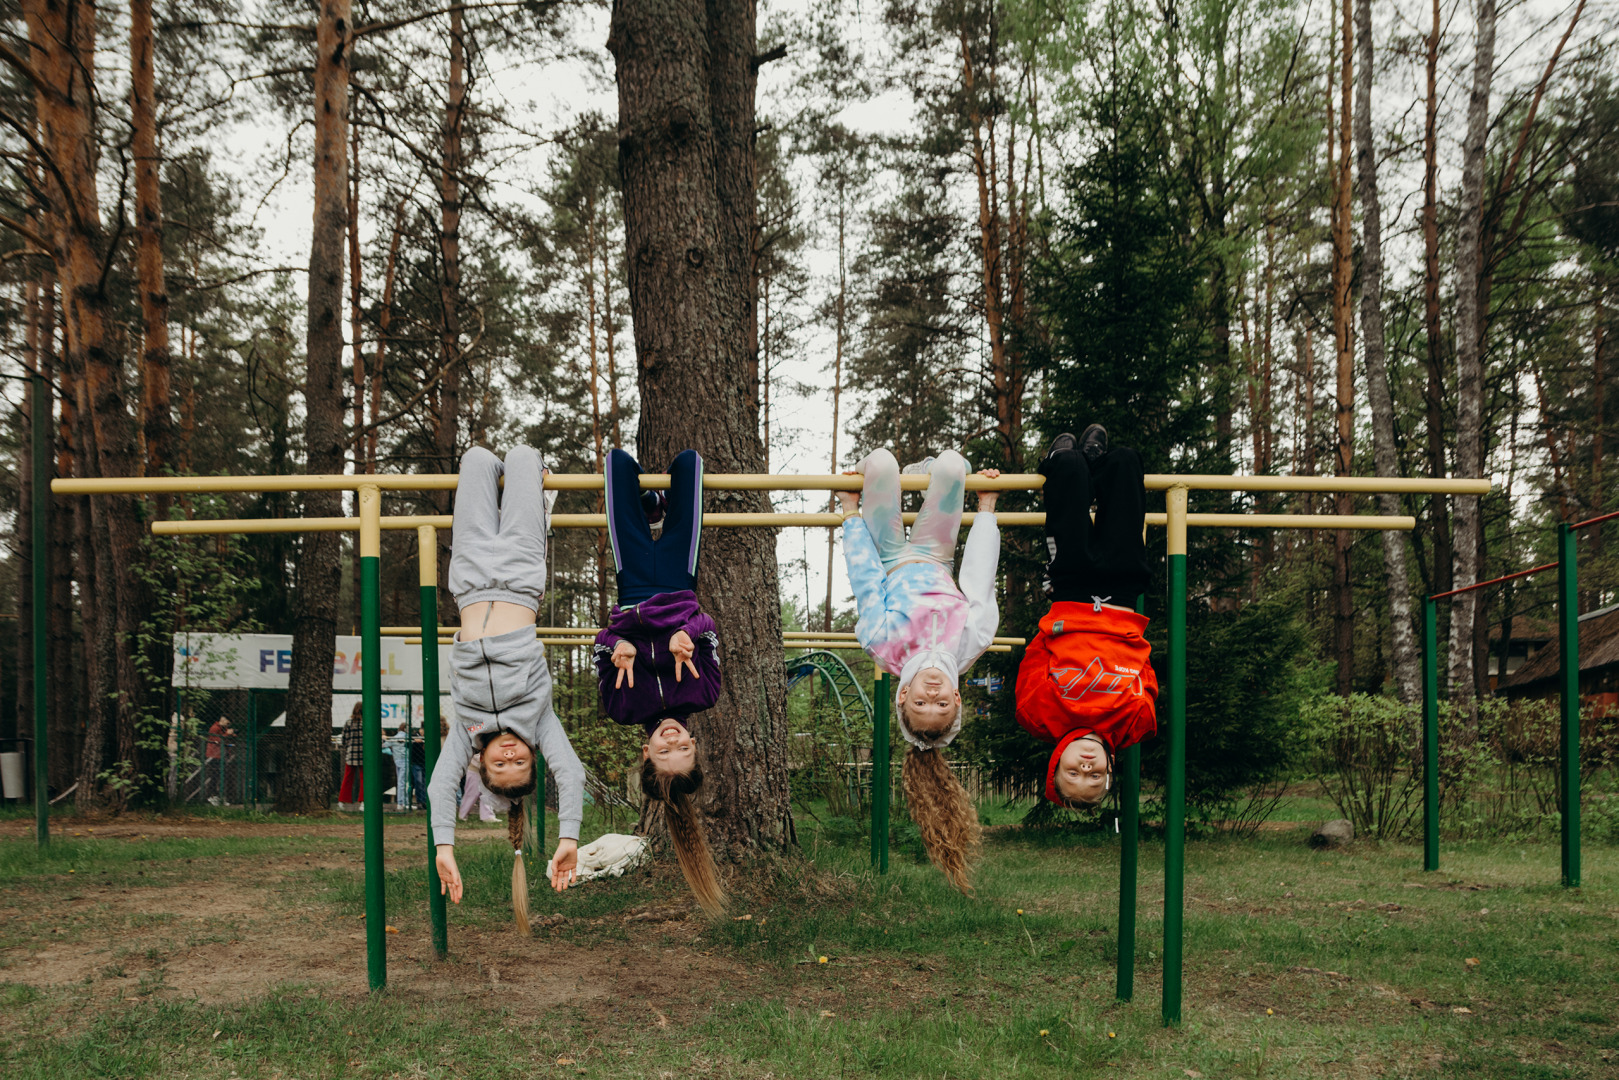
(943, 813)
(684, 816)
(514, 833)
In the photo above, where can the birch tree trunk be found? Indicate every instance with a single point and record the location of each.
(1469, 353)
(685, 72)
(1343, 608)
(447, 433)
(1434, 331)
(1407, 675)
(306, 777)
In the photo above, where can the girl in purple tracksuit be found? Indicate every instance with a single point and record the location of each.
(657, 660)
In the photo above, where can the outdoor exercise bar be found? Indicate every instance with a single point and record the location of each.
(1568, 683)
(371, 523)
(216, 526)
(153, 485)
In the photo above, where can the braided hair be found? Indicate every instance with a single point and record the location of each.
(514, 833)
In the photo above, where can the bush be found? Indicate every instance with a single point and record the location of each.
(1498, 774)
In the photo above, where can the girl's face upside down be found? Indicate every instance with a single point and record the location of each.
(928, 703)
(1082, 771)
(507, 761)
(671, 748)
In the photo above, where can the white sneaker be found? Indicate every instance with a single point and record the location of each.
(916, 467)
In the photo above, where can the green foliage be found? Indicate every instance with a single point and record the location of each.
(1248, 671)
(1498, 765)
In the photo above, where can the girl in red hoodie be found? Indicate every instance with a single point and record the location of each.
(1086, 681)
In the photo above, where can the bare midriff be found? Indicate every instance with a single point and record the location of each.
(488, 618)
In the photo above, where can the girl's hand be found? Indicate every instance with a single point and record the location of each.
(849, 501)
(987, 499)
(564, 864)
(449, 875)
(681, 647)
(624, 659)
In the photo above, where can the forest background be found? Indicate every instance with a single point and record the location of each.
(1245, 235)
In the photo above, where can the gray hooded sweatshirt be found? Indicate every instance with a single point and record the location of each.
(502, 683)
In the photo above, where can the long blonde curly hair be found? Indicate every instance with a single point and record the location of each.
(944, 815)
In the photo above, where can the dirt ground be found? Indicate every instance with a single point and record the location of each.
(245, 930)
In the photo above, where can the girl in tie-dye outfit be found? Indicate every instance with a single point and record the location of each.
(917, 622)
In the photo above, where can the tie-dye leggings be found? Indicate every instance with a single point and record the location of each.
(933, 537)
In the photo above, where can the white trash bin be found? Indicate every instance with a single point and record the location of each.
(11, 774)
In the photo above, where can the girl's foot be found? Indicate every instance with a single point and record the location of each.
(1093, 443)
(919, 466)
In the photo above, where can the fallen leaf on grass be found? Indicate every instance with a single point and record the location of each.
(1472, 961)
(663, 1021)
(1462, 1010)
(564, 1061)
(1194, 1074)
(827, 1014)
(390, 929)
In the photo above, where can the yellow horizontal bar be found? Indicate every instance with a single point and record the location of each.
(851, 646)
(148, 485)
(589, 633)
(733, 521)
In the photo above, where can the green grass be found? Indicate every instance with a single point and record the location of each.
(1297, 965)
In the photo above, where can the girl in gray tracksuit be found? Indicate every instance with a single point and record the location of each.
(499, 679)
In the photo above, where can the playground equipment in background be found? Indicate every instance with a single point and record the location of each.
(1568, 679)
(369, 522)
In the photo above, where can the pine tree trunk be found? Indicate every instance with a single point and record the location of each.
(157, 424)
(1343, 608)
(837, 385)
(306, 774)
(23, 561)
(1469, 353)
(686, 145)
(65, 700)
(63, 42)
(1407, 674)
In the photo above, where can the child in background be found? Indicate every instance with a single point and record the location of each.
(499, 680)
(473, 794)
(657, 659)
(1086, 681)
(917, 623)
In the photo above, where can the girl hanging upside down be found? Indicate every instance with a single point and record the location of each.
(657, 659)
(917, 623)
(499, 679)
(1086, 681)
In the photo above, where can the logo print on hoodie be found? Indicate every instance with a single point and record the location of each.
(1074, 683)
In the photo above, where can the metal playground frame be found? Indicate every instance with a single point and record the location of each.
(370, 522)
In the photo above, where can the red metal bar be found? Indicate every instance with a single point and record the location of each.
(1499, 580)
(1599, 519)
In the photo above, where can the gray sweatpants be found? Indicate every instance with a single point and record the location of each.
(499, 549)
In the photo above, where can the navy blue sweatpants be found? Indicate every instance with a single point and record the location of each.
(647, 566)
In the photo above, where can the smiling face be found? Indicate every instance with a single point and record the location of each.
(507, 761)
(1082, 771)
(928, 704)
(670, 748)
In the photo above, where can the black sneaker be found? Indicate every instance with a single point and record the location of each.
(654, 503)
(1065, 441)
(1093, 443)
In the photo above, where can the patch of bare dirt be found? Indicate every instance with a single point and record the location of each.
(244, 931)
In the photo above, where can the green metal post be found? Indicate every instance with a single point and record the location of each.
(1175, 781)
(427, 564)
(1568, 629)
(41, 422)
(1128, 769)
(883, 694)
(376, 918)
(251, 795)
(1430, 734)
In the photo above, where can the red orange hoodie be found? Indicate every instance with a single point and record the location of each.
(1087, 672)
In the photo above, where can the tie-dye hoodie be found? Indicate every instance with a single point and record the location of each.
(917, 617)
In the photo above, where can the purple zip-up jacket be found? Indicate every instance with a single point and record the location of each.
(656, 695)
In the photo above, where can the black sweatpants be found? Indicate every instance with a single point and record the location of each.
(1106, 558)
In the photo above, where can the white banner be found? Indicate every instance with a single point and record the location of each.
(264, 662)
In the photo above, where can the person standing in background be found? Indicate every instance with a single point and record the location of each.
(398, 747)
(352, 792)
